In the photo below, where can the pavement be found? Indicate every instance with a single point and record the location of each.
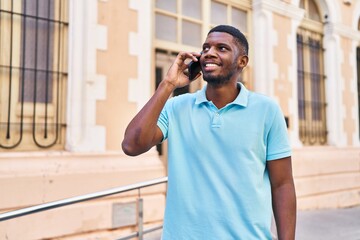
(329, 224)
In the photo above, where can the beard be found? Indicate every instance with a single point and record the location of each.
(218, 79)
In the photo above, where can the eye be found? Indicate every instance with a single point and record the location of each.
(205, 49)
(221, 48)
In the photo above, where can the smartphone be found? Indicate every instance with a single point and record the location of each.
(194, 69)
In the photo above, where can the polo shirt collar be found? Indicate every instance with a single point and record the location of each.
(241, 99)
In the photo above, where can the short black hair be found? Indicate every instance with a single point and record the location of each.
(238, 36)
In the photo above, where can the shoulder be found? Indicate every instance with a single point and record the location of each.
(263, 101)
(181, 101)
(264, 107)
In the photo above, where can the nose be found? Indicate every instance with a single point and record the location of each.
(210, 52)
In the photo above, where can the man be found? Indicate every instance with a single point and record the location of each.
(229, 156)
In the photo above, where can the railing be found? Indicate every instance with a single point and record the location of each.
(91, 196)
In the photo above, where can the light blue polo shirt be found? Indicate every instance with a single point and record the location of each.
(218, 185)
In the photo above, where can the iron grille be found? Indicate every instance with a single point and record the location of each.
(311, 89)
(33, 43)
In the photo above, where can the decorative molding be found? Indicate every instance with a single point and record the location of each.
(342, 30)
(140, 45)
(101, 37)
(262, 22)
(354, 89)
(134, 44)
(280, 7)
(293, 102)
(85, 86)
(333, 58)
(356, 15)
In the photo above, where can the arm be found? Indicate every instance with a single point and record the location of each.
(283, 197)
(142, 133)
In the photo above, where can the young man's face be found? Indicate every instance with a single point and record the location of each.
(220, 58)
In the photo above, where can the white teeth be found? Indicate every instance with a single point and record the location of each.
(211, 65)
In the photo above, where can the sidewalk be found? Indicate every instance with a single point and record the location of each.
(329, 224)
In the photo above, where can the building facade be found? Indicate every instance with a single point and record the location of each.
(73, 73)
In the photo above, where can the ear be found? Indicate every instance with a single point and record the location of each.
(243, 61)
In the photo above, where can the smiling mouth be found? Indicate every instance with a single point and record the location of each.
(211, 65)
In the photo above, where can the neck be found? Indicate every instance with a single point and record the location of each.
(222, 94)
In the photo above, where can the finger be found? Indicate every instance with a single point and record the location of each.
(184, 55)
(189, 55)
(181, 62)
(196, 55)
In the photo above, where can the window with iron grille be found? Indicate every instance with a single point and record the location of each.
(311, 79)
(33, 73)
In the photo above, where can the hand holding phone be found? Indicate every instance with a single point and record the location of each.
(194, 69)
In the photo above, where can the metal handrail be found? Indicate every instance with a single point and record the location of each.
(136, 234)
(82, 198)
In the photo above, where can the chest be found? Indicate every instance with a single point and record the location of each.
(233, 129)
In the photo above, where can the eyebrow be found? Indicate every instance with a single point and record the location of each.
(217, 44)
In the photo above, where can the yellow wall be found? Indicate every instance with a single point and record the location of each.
(115, 111)
(327, 177)
(283, 59)
(32, 178)
(348, 96)
(347, 13)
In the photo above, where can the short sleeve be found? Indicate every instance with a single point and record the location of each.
(163, 121)
(278, 145)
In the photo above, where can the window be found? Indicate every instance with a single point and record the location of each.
(311, 79)
(179, 21)
(225, 13)
(33, 74)
(311, 10)
(222, 13)
(181, 25)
